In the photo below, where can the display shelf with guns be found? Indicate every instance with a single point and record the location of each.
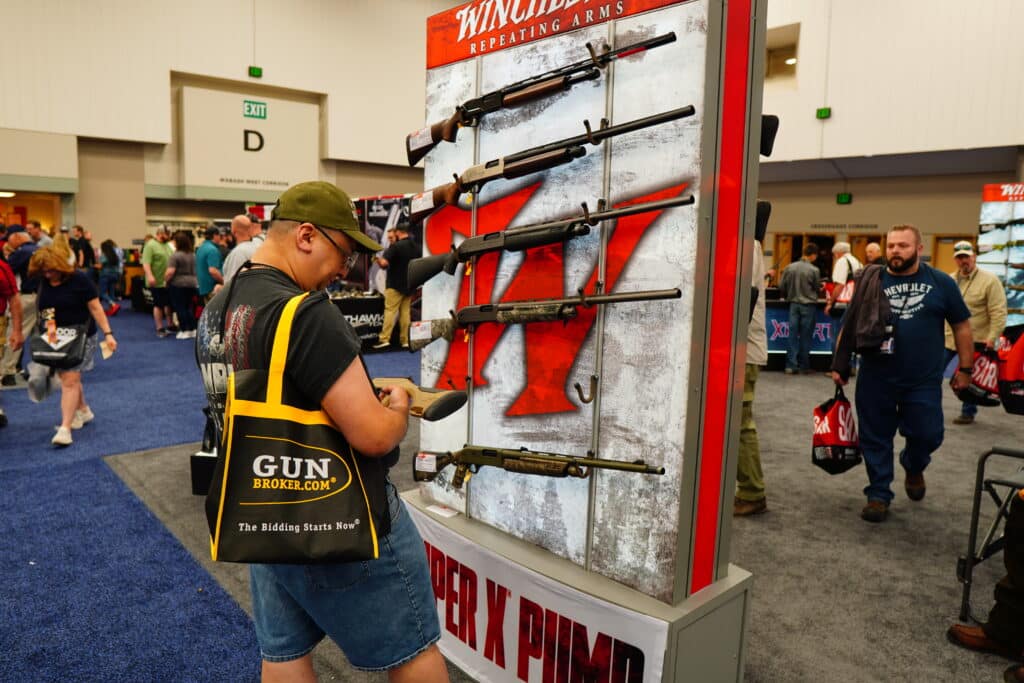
(469, 459)
(527, 236)
(468, 114)
(518, 312)
(530, 161)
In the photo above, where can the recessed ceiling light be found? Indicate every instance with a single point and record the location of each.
(6, 194)
(791, 61)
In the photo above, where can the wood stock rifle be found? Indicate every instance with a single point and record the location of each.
(530, 161)
(468, 115)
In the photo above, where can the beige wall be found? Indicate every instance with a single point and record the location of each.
(111, 190)
(367, 180)
(936, 204)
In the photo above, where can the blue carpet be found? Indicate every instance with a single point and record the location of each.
(92, 586)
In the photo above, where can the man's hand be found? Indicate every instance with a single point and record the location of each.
(838, 379)
(17, 339)
(150, 280)
(961, 380)
(394, 398)
(828, 307)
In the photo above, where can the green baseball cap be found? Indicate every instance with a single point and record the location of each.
(323, 205)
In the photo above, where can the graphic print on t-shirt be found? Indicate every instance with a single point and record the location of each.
(907, 298)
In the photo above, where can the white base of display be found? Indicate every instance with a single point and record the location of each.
(510, 610)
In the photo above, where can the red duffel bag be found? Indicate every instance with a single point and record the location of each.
(835, 447)
(984, 387)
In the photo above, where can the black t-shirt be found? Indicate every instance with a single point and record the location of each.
(83, 247)
(322, 345)
(398, 256)
(70, 301)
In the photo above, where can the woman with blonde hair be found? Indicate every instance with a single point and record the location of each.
(63, 247)
(69, 297)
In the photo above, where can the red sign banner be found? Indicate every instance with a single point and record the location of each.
(1003, 192)
(483, 26)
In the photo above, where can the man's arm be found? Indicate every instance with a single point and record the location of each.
(368, 426)
(17, 339)
(965, 350)
(996, 300)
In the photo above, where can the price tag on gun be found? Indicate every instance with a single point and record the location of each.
(428, 404)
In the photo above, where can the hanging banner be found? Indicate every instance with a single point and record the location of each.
(503, 622)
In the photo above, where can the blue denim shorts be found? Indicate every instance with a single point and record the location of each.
(381, 613)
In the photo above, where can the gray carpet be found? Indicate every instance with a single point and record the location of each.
(835, 598)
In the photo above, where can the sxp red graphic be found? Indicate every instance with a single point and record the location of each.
(835, 447)
(550, 348)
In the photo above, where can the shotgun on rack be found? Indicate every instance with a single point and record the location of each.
(468, 114)
(469, 459)
(519, 312)
(527, 236)
(530, 161)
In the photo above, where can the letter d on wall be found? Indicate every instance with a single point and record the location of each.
(248, 142)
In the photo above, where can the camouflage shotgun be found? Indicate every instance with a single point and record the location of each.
(469, 459)
(518, 312)
(527, 236)
(468, 115)
(530, 161)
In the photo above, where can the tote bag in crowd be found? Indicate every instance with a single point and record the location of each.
(835, 447)
(59, 347)
(1011, 375)
(287, 487)
(984, 387)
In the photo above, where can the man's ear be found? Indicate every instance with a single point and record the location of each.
(304, 236)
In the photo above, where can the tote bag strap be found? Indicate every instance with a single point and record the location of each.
(279, 354)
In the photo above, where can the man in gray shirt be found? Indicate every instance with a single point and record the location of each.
(799, 286)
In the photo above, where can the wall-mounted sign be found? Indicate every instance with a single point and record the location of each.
(239, 142)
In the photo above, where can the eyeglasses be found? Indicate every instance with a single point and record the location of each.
(350, 257)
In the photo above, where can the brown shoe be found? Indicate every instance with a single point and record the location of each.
(875, 511)
(963, 420)
(975, 638)
(914, 485)
(743, 508)
(1015, 674)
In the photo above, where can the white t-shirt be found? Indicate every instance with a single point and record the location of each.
(844, 268)
(757, 333)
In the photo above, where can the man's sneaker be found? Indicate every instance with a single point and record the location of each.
(62, 437)
(181, 335)
(790, 371)
(405, 345)
(963, 420)
(914, 485)
(82, 418)
(743, 508)
(3, 418)
(191, 334)
(162, 332)
(8, 380)
(875, 511)
(114, 308)
(381, 345)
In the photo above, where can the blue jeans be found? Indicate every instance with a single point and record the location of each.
(801, 332)
(882, 409)
(966, 409)
(108, 288)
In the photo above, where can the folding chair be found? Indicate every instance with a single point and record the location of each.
(1001, 489)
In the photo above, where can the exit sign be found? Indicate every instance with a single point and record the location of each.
(823, 112)
(844, 198)
(255, 110)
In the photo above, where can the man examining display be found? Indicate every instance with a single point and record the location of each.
(986, 300)
(380, 612)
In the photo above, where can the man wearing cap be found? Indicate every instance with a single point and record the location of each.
(986, 300)
(248, 236)
(380, 612)
(209, 262)
(899, 387)
(397, 297)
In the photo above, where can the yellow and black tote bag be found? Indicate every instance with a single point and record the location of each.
(287, 487)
